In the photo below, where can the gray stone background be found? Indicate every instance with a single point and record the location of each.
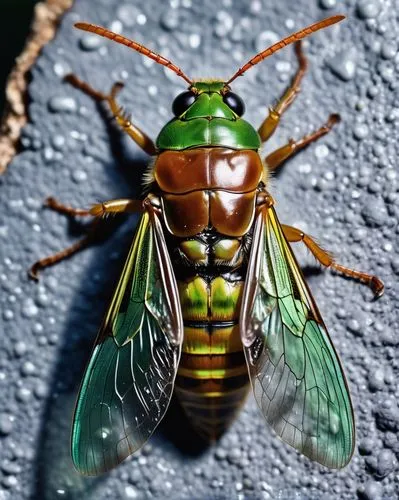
(343, 190)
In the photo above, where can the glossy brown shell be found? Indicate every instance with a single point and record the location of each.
(208, 187)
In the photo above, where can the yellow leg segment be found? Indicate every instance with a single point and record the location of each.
(139, 137)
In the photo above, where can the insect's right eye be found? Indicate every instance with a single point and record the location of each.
(182, 102)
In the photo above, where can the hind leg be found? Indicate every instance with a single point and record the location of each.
(326, 259)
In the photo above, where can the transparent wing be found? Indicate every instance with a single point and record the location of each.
(296, 375)
(129, 380)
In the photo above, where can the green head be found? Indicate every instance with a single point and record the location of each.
(208, 114)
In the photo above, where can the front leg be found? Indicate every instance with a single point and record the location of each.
(271, 122)
(139, 137)
(280, 155)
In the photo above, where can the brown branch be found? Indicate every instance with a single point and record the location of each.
(44, 26)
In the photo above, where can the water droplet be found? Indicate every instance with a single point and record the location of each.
(375, 212)
(128, 14)
(48, 154)
(116, 26)
(8, 315)
(360, 131)
(38, 328)
(290, 23)
(41, 390)
(170, 19)
(343, 65)
(354, 326)
(223, 23)
(389, 49)
(102, 433)
(9, 482)
(194, 40)
(327, 4)
(141, 19)
(78, 136)
(79, 176)
(6, 423)
(256, 7)
(61, 69)
(371, 490)
(28, 368)
(221, 453)
(29, 309)
(321, 151)
(23, 394)
(283, 66)
(239, 486)
(62, 104)
(10, 467)
(153, 90)
(305, 168)
(58, 142)
(91, 42)
(368, 9)
(130, 492)
(20, 348)
(386, 71)
(376, 379)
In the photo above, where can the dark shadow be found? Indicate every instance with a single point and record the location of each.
(176, 428)
(309, 271)
(15, 19)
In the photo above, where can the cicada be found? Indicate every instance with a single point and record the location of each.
(211, 298)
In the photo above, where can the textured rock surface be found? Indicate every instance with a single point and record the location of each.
(344, 190)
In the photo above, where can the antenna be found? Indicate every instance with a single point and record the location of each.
(286, 41)
(99, 30)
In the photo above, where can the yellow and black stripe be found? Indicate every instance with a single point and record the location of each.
(212, 379)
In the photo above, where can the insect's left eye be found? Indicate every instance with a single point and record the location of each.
(235, 103)
(182, 102)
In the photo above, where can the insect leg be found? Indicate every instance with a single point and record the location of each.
(326, 259)
(280, 155)
(93, 234)
(271, 122)
(117, 206)
(139, 137)
(64, 254)
(65, 209)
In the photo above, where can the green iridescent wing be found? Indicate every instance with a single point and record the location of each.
(295, 372)
(129, 380)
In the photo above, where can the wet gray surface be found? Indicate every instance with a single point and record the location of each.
(343, 190)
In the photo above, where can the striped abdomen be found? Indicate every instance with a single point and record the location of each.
(212, 379)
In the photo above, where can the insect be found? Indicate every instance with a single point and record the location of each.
(211, 291)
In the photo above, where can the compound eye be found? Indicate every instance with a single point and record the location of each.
(235, 103)
(182, 102)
